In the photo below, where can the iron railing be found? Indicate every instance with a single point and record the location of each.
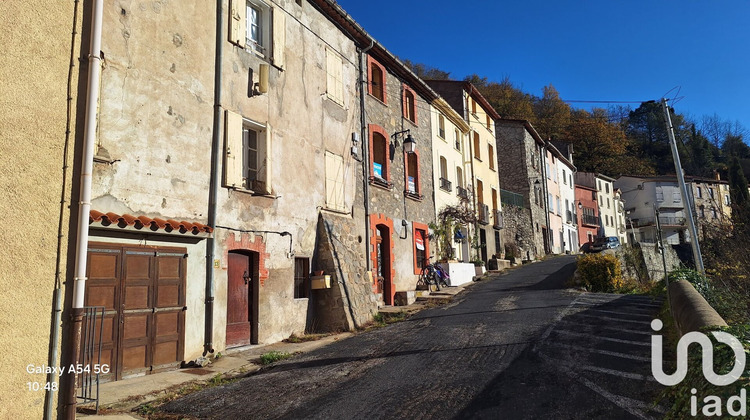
(445, 184)
(664, 221)
(589, 219)
(512, 199)
(91, 354)
(462, 193)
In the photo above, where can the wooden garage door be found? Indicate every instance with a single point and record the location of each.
(143, 292)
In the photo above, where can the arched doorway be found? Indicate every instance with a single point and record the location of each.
(243, 286)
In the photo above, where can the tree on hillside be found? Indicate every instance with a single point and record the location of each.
(740, 196)
(646, 127)
(552, 114)
(717, 129)
(423, 71)
(699, 153)
(508, 100)
(601, 146)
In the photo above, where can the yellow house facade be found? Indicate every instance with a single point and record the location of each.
(40, 76)
(451, 163)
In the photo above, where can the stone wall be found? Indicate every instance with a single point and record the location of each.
(518, 230)
(350, 302)
(519, 160)
(643, 261)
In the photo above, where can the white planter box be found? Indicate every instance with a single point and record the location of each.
(460, 273)
(478, 271)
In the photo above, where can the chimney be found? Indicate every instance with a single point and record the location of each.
(717, 175)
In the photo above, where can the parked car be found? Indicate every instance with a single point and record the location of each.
(607, 242)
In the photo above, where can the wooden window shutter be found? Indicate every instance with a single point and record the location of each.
(279, 37)
(334, 181)
(233, 151)
(237, 10)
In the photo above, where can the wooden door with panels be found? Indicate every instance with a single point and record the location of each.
(143, 292)
(242, 298)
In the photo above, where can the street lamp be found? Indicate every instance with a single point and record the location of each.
(410, 145)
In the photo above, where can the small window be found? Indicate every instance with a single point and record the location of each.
(301, 277)
(410, 105)
(676, 197)
(420, 241)
(473, 106)
(726, 200)
(457, 138)
(246, 161)
(412, 173)
(659, 194)
(546, 168)
(699, 192)
(564, 177)
(714, 214)
(376, 87)
(489, 122)
(441, 126)
(702, 211)
(251, 24)
(606, 188)
(334, 79)
(459, 177)
(490, 157)
(711, 193)
(608, 206)
(380, 156)
(477, 153)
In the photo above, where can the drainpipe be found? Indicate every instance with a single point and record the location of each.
(471, 165)
(87, 167)
(57, 300)
(547, 246)
(213, 193)
(365, 145)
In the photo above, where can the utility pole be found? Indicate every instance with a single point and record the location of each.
(683, 190)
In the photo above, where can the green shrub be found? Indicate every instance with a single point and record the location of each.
(273, 356)
(600, 272)
(727, 301)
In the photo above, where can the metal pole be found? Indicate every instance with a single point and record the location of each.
(683, 190)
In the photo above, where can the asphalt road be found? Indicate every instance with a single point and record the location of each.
(519, 345)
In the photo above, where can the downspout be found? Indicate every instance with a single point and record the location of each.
(547, 246)
(365, 146)
(57, 299)
(213, 192)
(87, 168)
(471, 165)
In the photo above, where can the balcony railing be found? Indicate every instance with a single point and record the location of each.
(590, 220)
(498, 223)
(664, 221)
(462, 193)
(445, 185)
(512, 199)
(484, 214)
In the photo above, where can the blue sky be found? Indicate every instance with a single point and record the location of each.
(615, 50)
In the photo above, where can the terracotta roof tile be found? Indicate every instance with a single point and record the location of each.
(141, 222)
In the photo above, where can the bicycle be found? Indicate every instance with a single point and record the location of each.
(432, 277)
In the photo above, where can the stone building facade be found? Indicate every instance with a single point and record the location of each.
(520, 157)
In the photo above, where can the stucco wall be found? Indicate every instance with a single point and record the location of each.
(33, 98)
(303, 123)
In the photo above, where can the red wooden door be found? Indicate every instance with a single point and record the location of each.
(239, 310)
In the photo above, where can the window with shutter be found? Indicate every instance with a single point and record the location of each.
(335, 81)
(247, 163)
